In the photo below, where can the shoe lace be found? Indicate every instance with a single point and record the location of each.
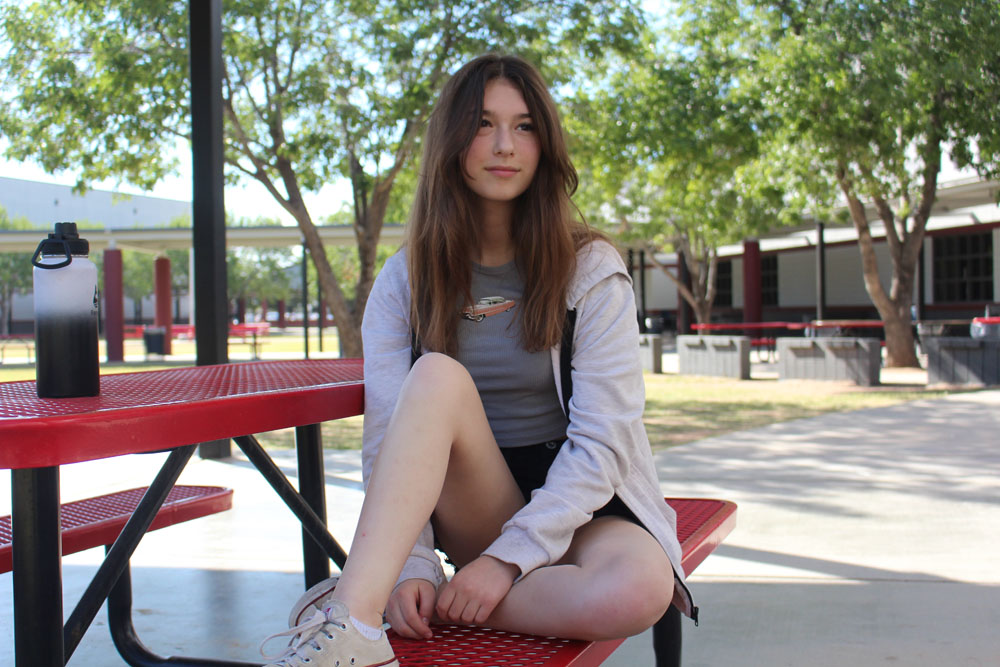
(304, 637)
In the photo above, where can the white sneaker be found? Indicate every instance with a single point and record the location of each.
(329, 639)
(312, 600)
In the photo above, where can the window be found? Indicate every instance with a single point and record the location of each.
(769, 280)
(723, 283)
(963, 268)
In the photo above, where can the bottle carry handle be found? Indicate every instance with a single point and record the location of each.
(59, 265)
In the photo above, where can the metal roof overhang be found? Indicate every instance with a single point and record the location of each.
(158, 240)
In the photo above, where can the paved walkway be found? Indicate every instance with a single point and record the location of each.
(864, 538)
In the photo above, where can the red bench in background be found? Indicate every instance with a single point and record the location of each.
(21, 341)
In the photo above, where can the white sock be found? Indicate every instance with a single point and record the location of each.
(367, 631)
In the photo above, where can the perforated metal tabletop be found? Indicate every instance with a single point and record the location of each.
(153, 410)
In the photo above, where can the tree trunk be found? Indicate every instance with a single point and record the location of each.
(703, 294)
(702, 312)
(347, 322)
(895, 309)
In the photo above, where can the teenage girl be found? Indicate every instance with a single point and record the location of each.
(552, 513)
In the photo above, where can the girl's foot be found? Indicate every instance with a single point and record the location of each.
(328, 638)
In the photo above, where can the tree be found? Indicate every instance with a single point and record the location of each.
(314, 90)
(137, 279)
(15, 270)
(670, 159)
(264, 275)
(871, 96)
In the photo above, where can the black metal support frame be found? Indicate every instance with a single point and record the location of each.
(116, 561)
(667, 639)
(208, 211)
(131, 648)
(308, 504)
(312, 487)
(312, 523)
(37, 558)
(37, 555)
(208, 208)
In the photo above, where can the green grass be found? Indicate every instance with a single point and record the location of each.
(684, 408)
(679, 408)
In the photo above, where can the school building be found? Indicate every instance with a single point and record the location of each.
(958, 275)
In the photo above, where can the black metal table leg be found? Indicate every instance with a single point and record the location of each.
(667, 639)
(37, 561)
(313, 524)
(118, 555)
(312, 486)
(131, 648)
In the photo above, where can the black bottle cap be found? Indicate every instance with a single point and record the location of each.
(64, 241)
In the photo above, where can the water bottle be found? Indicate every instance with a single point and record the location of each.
(66, 316)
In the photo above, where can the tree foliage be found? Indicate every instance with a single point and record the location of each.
(314, 90)
(261, 275)
(869, 96)
(137, 279)
(15, 270)
(671, 159)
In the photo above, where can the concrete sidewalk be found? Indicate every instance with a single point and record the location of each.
(863, 538)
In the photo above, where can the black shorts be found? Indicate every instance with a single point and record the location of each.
(530, 464)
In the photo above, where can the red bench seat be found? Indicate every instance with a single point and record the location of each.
(97, 521)
(702, 524)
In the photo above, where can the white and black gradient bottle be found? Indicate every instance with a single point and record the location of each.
(66, 316)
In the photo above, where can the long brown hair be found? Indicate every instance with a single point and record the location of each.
(443, 234)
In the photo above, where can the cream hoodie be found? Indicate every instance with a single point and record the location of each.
(606, 451)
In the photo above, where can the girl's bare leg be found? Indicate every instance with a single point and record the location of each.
(615, 581)
(437, 440)
(439, 455)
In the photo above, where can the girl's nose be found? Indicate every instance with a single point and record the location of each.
(503, 143)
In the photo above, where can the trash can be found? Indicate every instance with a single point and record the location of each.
(155, 340)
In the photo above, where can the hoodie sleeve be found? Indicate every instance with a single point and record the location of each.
(605, 418)
(385, 332)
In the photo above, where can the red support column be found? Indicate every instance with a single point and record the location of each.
(162, 298)
(281, 313)
(752, 299)
(114, 305)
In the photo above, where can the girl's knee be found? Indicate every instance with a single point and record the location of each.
(434, 368)
(632, 600)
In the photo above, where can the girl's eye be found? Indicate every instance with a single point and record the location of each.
(484, 123)
(526, 127)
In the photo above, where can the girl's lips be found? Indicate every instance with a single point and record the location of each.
(502, 171)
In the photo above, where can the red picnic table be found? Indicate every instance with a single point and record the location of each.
(761, 340)
(171, 409)
(145, 412)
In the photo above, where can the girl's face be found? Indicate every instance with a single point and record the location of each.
(502, 158)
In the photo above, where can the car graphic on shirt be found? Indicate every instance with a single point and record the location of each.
(486, 307)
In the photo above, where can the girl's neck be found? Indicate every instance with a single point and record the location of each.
(496, 245)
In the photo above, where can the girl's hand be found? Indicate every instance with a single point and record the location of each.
(410, 607)
(475, 591)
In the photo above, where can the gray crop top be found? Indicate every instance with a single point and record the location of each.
(517, 387)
